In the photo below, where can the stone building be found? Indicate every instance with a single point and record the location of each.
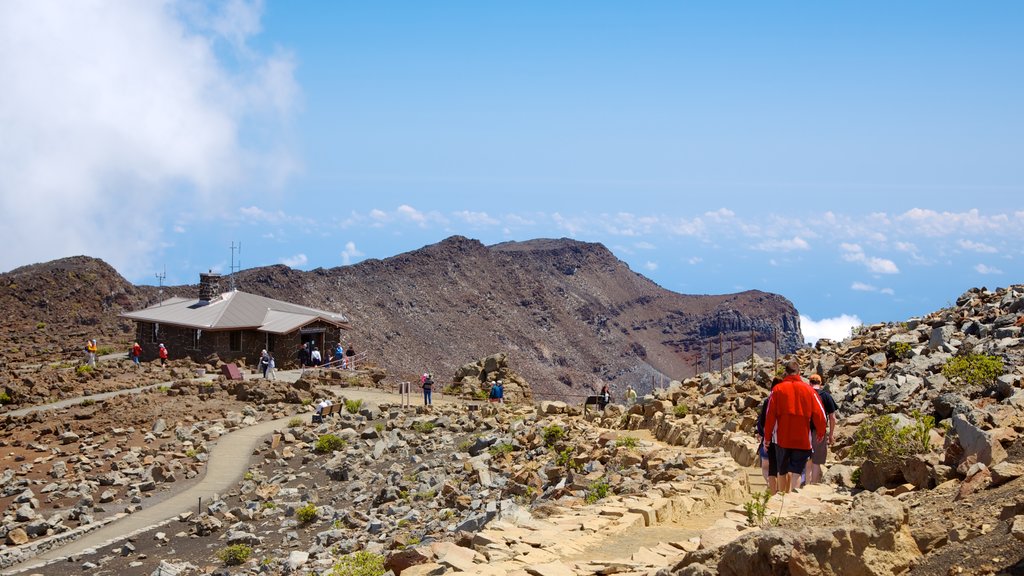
(234, 326)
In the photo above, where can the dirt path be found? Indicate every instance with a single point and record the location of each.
(229, 458)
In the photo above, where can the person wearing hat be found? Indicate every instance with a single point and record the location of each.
(163, 354)
(819, 449)
(497, 394)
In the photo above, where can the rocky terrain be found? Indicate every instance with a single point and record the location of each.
(924, 476)
(568, 314)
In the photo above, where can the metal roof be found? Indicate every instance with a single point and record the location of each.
(233, 311)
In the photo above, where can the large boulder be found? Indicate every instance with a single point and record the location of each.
(875, 539)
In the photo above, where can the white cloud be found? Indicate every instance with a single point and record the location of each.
(783, 245)
(476, 219)
(295, 261)
(695, 260)
(413, 215)
(837, 329)
(976, 246)
(985, 269)
(650, 266)
(349, 253)
(888, 291)
(854, 253)
(644, 246)
(862, 287)
(114, 113)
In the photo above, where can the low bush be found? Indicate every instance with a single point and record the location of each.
(423, 426)
(627, 442)
(973, 370)
(879, 439)
(553, 434)
(499, 449)
(306, 513)
(295, 422)
(360, 563)
(898, 351)
(235, 554)
(329, 443)
(84, 369)
(353, 406)
(597, 490)
(5, 398)
(681, 410)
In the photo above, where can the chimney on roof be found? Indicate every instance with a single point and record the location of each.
(209, 286)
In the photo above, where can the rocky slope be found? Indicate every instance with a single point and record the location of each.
(537, 488)
(568, 314)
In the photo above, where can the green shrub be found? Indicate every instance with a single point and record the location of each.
(565, 458)
(973, 370)
(88, 402)
(499, 449)
(353, 406)
(898, 351)
(855, 477)
(423, 426)
(306, 513)
(84, 369)
(878, 438)
(360, 563)
(379, 427)
(40, 325)
(106, 350)
(627, 442)
(295, 422)
(553, 434)
(329, 443)
(5, 398)
(757, 508)
(681, 410)
(480, 394)
(235, 554)
(597, 490)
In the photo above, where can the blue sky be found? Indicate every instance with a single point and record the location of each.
(861, 159)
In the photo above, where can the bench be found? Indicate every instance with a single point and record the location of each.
(595, 400)
(327, 411)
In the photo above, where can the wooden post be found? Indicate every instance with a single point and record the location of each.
(776, 333)
(732, 362)
(751, 350)
(721, 355)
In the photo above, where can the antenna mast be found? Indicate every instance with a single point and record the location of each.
(234, 267)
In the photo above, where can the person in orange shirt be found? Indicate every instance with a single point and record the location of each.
(792, 407)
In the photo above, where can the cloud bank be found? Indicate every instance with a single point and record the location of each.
(118, 113)
(837, 329)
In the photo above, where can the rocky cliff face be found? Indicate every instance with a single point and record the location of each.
(569, 315)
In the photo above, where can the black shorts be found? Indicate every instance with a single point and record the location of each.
(773, 460)
(792, 460)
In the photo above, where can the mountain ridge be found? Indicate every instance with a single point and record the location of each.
(569, 314)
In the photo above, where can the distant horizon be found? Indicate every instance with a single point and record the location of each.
(865, 168)
(836, 329)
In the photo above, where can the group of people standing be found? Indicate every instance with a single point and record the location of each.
(309, 355)
(796, 424)
(268, 366)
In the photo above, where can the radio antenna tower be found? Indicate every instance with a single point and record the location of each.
(160, 277)
(235, 267)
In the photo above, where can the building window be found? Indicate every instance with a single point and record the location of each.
(154, 337)
(196, 335)
(235, 341)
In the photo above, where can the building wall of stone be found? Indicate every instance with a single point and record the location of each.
(284, 347)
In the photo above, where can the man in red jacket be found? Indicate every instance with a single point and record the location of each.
(792, 407)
